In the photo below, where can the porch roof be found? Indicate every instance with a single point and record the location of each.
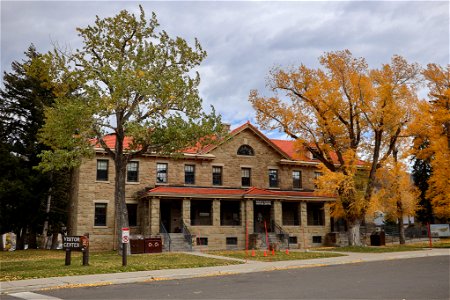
(247, 193)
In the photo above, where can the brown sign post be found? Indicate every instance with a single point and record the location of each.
(76, 243)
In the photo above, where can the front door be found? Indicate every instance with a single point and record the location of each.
(171, 218)
(262, 214)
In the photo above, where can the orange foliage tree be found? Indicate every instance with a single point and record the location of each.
(341, 113)
(431, 127)
(395, 195)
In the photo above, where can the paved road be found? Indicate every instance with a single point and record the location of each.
(418, 278)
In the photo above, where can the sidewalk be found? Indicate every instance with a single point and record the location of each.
(247, 267)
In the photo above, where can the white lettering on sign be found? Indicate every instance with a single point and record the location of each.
(263, 202)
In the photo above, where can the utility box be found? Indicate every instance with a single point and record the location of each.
(137, 246)
(378, 238)
(153, 245)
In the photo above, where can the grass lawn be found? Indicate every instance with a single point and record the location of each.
(279, 255)
(28, 264)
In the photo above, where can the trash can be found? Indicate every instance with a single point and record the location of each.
(137, 246)
(378, 238)
(153, 245)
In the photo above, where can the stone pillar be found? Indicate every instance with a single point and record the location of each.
(154, 216)
(326, 210)
(303, 214)
(249, 214)
(277, 212)
(186, 212)
(216, 212)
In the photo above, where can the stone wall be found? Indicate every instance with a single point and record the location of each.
(89, 191)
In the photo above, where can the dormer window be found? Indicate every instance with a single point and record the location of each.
(246, 150)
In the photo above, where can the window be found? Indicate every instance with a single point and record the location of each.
(231, 241)
(316, 176)
(246, 150)
(202, 241)
(100, 214)
(161, 173)
(292, 240)
(189, 174)
(290, 213)
(297, 179)
(316, 214)
(133, 171)
(230, 213)
(201, 212)
(102, 170)
(217, 176)
(317, 239)
(246, 176)
(273, 178)
(132, 214)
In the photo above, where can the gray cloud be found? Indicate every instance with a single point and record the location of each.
(244, 40)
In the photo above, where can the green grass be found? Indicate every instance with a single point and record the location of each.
(279, 255)
(28, 264)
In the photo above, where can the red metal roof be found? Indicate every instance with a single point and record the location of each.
(238, 193)
(287, 148)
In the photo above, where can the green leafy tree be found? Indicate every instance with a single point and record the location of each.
(130, 80)
(24, 190)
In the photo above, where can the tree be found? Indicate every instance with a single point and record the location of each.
(421, 171)
(24, 190)
(432, 129)
(396, 195)
(131, 81)
(340, 114)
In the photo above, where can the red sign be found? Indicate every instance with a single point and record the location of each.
(125, 235)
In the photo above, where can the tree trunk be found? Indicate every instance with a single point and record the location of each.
(32, 239)
(47, 211)
(354, 237)
(73, 200)
(121, 212)
(54, 239)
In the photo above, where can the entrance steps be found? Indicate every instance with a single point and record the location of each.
(178, 243)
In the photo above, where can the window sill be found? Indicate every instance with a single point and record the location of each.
(161, 183)
(132, 182)
(189, 184)
(274, 188)
(100, 227)
(103, 181)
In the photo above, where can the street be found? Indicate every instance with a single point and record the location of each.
(418, 278)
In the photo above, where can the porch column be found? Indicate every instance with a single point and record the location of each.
(154, 210)
(277, 211)
(249, 214)
(216, 212)
(303, 214)
(326, 211)
(186, 212)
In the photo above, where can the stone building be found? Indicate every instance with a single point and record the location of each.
(248, 190)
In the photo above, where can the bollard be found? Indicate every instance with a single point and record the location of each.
(68, 257)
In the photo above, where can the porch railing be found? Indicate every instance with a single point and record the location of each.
(166, 235)
(187, 236)
(282, 235)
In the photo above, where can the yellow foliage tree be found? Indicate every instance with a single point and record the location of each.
(395, 195)
(341, 113)
(431, 127)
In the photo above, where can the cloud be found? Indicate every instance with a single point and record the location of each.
(244, 40)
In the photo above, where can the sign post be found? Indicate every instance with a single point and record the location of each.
(125, 242)
(76, 243)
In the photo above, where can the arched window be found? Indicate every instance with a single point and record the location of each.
(245, 150)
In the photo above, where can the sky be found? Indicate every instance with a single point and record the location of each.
(246, 39)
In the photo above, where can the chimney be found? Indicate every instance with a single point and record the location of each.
(226, 127)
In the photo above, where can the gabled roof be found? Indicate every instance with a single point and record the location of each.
(258, 133)
(252, 192)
